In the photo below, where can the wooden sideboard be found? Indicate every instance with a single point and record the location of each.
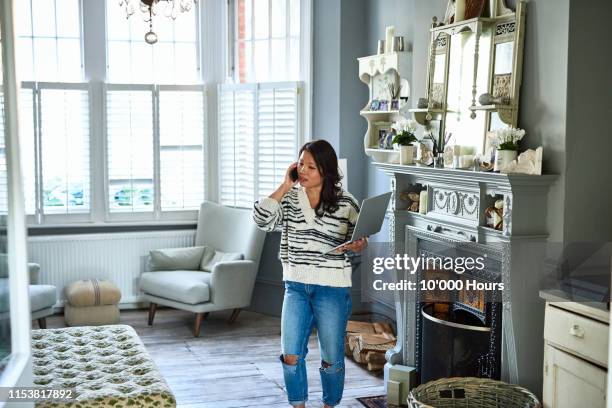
(575, 353)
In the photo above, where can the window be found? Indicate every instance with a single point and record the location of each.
(173, 59)
(49, 40)
(155, 149)
(129, 138)
(181, 134)
(121, 135)
(55, 149)
(266, 40)
(257, 139)
(259, 126)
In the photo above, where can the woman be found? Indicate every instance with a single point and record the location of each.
(315, 217)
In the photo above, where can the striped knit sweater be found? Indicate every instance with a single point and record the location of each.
(305, 237)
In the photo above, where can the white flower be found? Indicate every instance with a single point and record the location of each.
(404, 125)
(508, 135)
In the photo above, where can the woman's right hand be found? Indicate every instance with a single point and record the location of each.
(288, 183)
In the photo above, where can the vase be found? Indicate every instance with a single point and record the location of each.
(503, 158)
(406, 154)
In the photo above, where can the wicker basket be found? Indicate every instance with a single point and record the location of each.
(471, 392)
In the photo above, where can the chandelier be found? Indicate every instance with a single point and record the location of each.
(150, 8)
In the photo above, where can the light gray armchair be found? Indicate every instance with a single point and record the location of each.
(228, 284)
(42, 297)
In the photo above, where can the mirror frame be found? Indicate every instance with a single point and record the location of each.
(504, 29)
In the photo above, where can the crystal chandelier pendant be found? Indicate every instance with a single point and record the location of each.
(150, 37)
(173, 7)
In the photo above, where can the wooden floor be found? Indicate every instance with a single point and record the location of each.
(231, 365)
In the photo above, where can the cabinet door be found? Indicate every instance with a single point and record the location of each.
(571, 382)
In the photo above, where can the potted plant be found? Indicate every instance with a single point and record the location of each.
(506, 141)
(404, 137)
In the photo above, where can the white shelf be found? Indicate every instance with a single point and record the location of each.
(380, 112)
(379, 64)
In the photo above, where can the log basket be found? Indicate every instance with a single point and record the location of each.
(471, 392)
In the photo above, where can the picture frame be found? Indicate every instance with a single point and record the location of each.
(384, 105)
(385, 135)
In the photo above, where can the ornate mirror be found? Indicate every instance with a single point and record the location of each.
(474, 77)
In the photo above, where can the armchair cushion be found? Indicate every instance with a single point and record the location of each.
(212, 257)
(42, 297)
(34, 272)
(191, 287)
(176, 258)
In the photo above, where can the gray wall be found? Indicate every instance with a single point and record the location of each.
(588, 170)
(543, 106)
(402, 14)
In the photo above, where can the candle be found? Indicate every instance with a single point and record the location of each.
(466, 160)
(456, 155)
(389, 34)
(459, 10)
(423, 202)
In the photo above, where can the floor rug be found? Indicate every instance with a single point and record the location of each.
(374, 402)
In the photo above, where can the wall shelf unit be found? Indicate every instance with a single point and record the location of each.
(384, 73)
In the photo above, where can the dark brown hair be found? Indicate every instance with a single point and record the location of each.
(325, 157)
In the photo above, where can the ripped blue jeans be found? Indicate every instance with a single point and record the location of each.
(327, 308)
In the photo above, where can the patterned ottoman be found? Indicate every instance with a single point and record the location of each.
(107, 365)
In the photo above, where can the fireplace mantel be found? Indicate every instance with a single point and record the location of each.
(457, 200)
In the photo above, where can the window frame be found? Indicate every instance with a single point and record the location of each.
(157, 214)
(197, 10)
(39, 217)
(81, 23)
(304, 83)
(214, 47)
(256, 88)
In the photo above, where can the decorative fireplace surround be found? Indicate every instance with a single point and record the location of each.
(455, 215)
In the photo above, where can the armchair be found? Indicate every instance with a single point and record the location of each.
(42, 297)
(228, 285)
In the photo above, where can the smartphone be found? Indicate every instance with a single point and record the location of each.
(294, 174)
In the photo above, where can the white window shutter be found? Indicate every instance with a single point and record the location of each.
(258, 136)
(277, 134)
(129, 137)
(64, 139)
(237, 146)
(181, 137)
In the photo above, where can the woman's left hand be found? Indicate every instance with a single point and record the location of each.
(355, 246)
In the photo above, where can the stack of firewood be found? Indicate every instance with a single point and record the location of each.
(367, 343)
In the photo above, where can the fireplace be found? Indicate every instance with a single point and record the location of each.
(458, 316)
(487, 333)
(453, 343)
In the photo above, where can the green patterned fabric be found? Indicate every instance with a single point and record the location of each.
(107, 365)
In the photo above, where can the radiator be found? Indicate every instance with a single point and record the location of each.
(118, 257)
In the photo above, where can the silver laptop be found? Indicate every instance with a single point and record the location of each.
(371, 217)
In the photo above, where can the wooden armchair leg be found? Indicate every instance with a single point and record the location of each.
(42, 323)
(198, 324)
(234, 316)
(152, 310)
